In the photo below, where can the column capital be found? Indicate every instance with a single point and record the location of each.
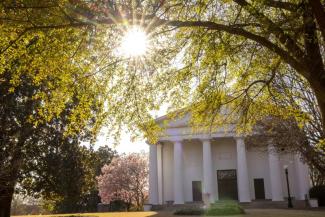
(271, 149)
(239, 137)
(240, 143)
(157, 143)
(176, 139)
(205, 140)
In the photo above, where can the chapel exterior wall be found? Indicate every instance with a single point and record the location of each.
(192, 166)
(224, 158)
(258, 167)
(288, 159)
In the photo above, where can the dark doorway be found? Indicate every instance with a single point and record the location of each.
(259, 189)
(197, 190)
(227, 185)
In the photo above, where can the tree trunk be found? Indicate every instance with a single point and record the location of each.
(319, 88)
(7, 186)
(321, 103)
(5, 200)
(314, 58)
(319, 15)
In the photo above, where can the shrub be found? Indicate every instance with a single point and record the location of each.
(118, 206)
(189, 211)
(319, 193)
(224, 208)
(216, 209)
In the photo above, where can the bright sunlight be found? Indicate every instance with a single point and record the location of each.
(134, 42)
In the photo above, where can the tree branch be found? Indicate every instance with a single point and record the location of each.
(13, 41)
(319, 13)
(29, 7)
(282, 37)
(281, 5)
(239, 32)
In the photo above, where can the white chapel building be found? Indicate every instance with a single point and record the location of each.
(186, 167)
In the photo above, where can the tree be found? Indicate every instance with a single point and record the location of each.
(63, 175)
(301, 98)
(287, 137)
(247, 37)
(302, 133)
(37, 101)
(126, 179)
(102, 156)
(206, 55)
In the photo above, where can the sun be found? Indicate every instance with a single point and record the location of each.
(134, 42)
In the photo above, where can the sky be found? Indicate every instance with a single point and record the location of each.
(134, 43)
(125, 145)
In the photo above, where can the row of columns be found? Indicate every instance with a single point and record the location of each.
(208, 173)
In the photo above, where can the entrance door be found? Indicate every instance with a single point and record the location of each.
(227, 185)
(259, 189)
(197, 190)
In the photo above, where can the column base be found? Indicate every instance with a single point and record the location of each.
(278, 199)
(245, 201)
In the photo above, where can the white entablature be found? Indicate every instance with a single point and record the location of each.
(180, 129)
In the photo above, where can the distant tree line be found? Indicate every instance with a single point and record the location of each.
(64, 181)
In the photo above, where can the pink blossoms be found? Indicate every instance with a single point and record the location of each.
(126, 179)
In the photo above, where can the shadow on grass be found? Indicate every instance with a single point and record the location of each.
(73, 215)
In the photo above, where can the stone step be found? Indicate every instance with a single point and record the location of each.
(175, 207)
(256, 204)
(268, 204)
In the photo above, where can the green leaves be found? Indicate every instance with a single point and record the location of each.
(233, 64)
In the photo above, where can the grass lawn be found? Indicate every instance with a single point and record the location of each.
(249, 213)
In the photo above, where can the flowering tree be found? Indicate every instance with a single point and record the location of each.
(126, 179)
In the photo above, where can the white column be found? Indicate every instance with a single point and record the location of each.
(153, 175)
(160, 173)
(303, 179)
(178, 173)
(207, 170)
(242, 171)
(275, 175)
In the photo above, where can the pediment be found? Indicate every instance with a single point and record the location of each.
(180, 124)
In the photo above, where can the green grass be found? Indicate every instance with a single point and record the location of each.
(249, 213)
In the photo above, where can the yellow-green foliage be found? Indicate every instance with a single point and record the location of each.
(203, 70)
